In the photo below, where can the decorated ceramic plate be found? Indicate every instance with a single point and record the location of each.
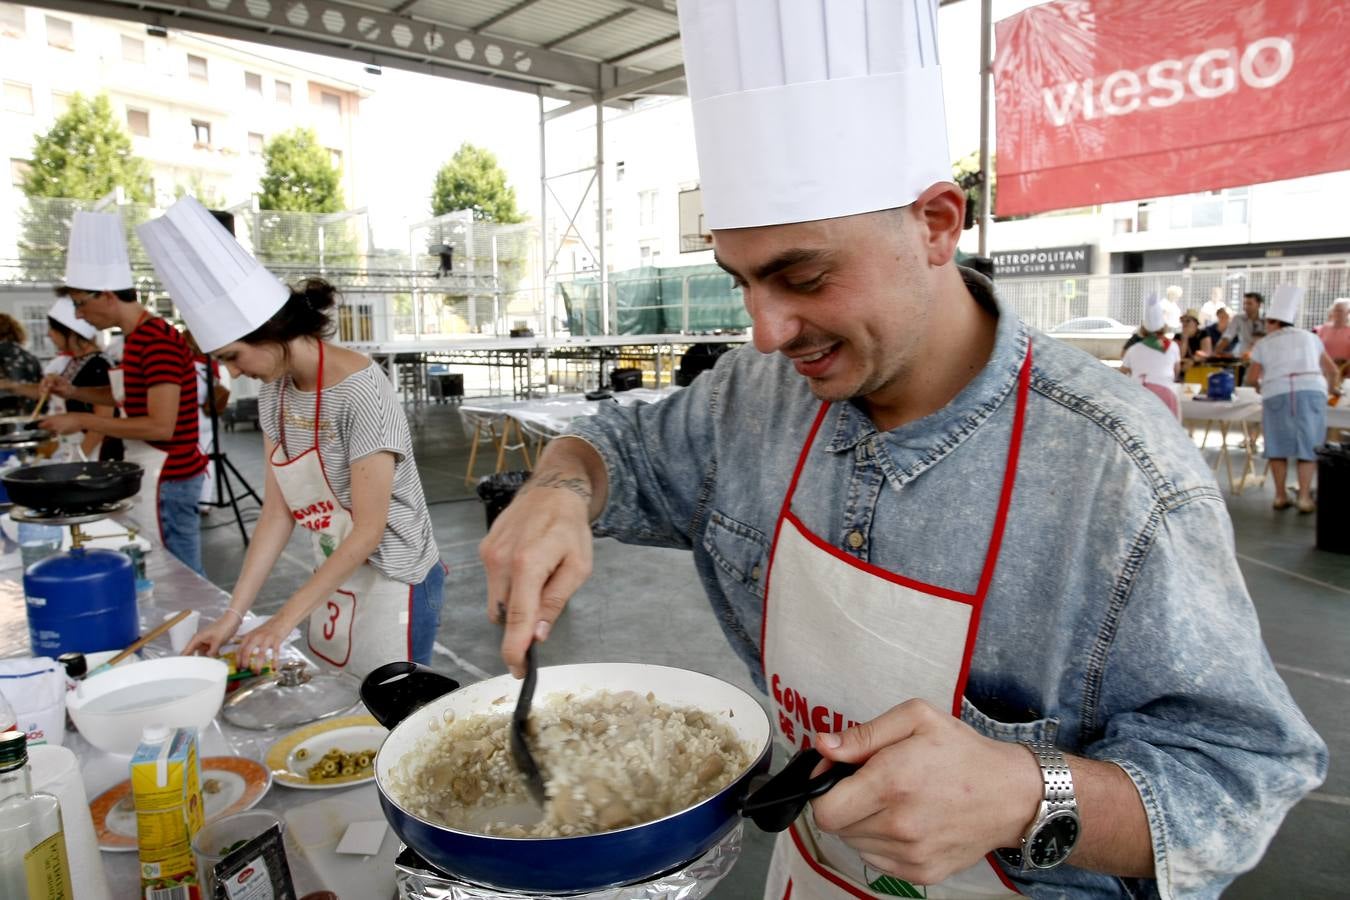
(337, 753)
(230, 784)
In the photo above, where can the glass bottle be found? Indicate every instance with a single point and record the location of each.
(33, 860)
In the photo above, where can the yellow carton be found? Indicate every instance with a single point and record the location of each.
(166, 791)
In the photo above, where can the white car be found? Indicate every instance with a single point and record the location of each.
(1101, 336)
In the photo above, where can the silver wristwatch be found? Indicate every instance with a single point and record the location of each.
(1054, 831)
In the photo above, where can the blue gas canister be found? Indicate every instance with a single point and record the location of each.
(82, 601)
(1221, 386)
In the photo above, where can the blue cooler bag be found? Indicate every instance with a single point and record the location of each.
(1221, 386)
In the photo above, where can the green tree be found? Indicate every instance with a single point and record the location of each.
(85, 155)
(299, 176)
(472, 179)
(966, 173)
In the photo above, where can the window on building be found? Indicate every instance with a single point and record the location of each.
(197, 68)
(18, 98)
(60, 33)
(356, 322)
(201, 133)
(253, 84)
(609, 219)
(11, 20)
(60, 103)
(284, 92)
(133, 49)
(255, 143)
(647, 207)
(138, 122)
(648, 252)
(332, 107)
(18, 171)
(618, 171)
(335, 158)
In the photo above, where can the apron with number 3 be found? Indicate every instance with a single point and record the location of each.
(368, 620)
(903, 639)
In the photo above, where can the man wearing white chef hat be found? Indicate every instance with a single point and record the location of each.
(339, 454)
(155, 385)
(939, 538)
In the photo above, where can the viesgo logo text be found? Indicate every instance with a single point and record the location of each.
(1262, 64)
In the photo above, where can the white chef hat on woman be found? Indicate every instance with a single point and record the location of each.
(222, 292)
(63, 311)
(1155, 318)
(813, 109)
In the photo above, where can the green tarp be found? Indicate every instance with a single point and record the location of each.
(651, 301)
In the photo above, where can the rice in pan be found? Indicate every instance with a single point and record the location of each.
(610, 760)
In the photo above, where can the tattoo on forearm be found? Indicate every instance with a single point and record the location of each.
(577, 486)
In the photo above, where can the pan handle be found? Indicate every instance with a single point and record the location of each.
(396, 690)
(775, 803)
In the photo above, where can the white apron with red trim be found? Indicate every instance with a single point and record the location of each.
(902, 640)
(145, 512)
(367, 622)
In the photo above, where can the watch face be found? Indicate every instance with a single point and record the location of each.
(1053, 840)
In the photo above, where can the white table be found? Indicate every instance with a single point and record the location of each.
(1244, 410)
(526, 425)
(176, 587)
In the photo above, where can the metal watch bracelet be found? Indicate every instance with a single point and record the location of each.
(1058, 793)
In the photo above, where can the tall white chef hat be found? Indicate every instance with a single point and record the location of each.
(813, 109)
(1155, 318)
(222, 292)
(96, 254)
(63, 311)
(1286, 305)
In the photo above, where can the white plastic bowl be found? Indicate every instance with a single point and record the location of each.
(111, 708)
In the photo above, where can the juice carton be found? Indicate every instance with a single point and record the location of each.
(166, 791)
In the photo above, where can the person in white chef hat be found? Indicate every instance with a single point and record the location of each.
(79, 361)
(155, 386)
(953, 551)
(339, 458)
(1155, 359)
(1293, 372)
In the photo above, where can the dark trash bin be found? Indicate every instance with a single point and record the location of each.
(625, 379)
(497, 491)
(1333, 497)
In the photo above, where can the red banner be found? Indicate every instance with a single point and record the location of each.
(1106, 100)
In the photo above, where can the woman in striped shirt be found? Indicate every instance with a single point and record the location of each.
(341, 466)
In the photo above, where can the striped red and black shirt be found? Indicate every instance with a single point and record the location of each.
(155, 353)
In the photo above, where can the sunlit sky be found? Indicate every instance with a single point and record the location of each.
(413, 123)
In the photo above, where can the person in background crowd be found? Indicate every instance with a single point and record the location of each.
(79, 361)
(1155, 360)
(1335, 334)
(156, 386)
(868, 493)
(1193, 341)
(1244, 329)
(1172, 308)
(205, 433)
(339, 459)
(16, 365)
(1214, 330)
(1210, 308)
(1293, 372)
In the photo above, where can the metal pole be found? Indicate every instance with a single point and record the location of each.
(600, 212)
(986, 109)
(543, 222)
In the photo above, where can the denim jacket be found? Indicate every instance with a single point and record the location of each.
(1100, 633)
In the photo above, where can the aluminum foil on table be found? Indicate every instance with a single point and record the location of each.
(691, 881)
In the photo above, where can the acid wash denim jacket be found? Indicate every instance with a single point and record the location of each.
(1101, 632)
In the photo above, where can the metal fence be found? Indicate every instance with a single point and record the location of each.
(1047, 302)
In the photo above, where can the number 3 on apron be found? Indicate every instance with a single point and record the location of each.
(822, 605)
(369, 603)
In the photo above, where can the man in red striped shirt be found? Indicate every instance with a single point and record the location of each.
(160, 402)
